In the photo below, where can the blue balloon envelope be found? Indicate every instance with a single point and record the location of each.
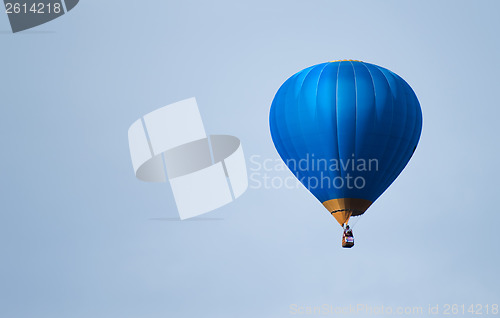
(346, 129)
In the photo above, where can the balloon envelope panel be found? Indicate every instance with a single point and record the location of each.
(346, 129)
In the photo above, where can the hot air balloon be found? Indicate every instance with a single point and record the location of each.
(346, 129)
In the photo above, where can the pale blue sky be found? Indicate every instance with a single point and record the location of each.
(77, 235)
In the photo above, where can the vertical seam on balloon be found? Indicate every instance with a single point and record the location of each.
(276, 110)
(411, 136)
(316, 120)
(400, 162)
(370, 186)
(381, 179)
(355, 107)
(317, 87)
(415, 136)
(293, 149)
(281, 111)
(376, 181)
(274, 114)
(275, 136)
(397, 159)
(394, 157)
(299, 117)
(337, 121)
(401, 159)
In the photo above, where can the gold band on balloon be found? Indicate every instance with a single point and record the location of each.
(342, 209)
(346, 61)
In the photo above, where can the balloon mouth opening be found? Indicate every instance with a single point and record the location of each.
(343, 208)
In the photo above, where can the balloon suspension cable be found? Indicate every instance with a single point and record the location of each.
(357, 218)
